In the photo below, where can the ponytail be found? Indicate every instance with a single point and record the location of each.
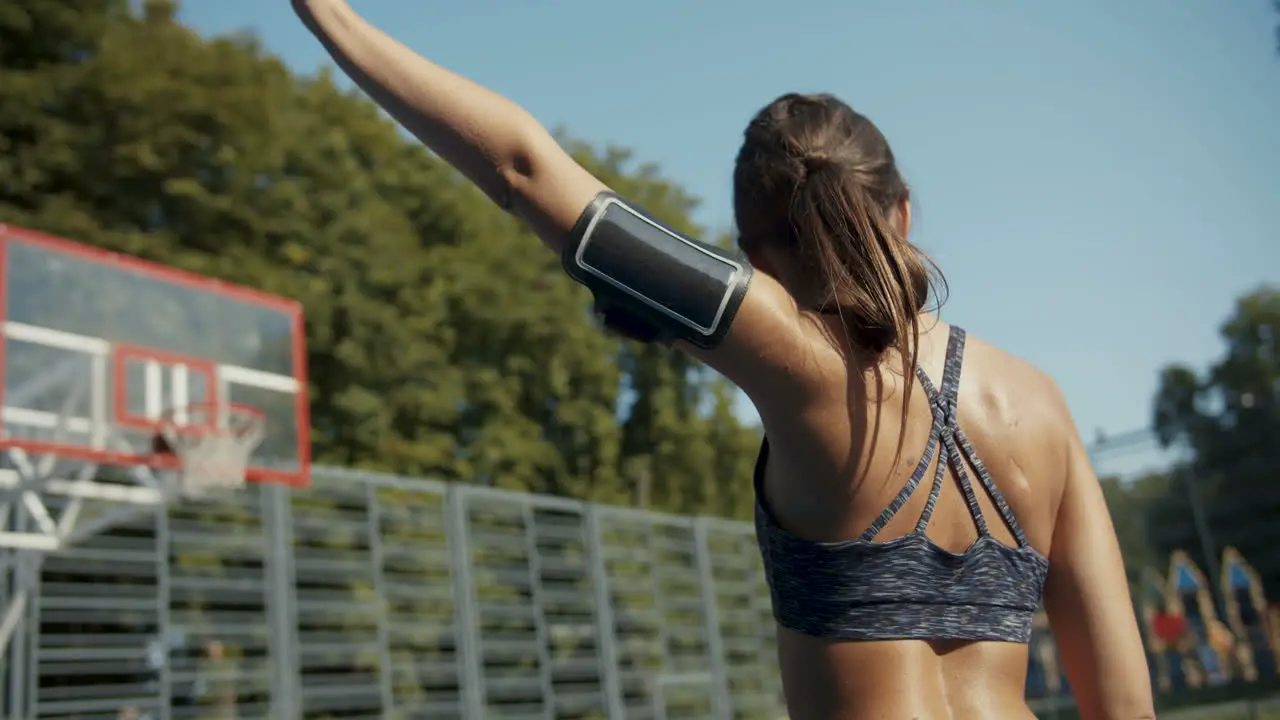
(819, 178)
(874, 278)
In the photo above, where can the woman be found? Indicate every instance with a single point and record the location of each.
(890, 603)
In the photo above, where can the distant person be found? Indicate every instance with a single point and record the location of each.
(216, 682)
(905, 571)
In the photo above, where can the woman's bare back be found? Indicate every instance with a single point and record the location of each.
(830, 475)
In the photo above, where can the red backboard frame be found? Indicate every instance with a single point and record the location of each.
(122, 355)
(175, 276)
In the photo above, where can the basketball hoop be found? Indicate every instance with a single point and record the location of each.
(212, 449)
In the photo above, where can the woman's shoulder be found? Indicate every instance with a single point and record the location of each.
(1000, 375)
(1017, 399)
(1018, 420)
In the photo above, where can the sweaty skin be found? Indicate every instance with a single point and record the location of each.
(830, 473)
(833, 421)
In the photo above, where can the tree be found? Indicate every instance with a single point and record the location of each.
(444, 341)
(1229, 417)
(1126, 502)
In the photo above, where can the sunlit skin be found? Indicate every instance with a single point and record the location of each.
(836, 418)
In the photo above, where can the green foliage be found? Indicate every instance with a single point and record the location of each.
(1229, 416)
(1126, 502)
(444, 339)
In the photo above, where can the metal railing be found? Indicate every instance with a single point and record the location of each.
(373, 596)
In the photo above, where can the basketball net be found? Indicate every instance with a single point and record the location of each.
(213, 460)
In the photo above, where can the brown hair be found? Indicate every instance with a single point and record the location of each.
(820, 179)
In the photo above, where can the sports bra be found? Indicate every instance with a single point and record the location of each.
(908, 588)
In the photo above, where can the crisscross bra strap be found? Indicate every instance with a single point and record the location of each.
(956, 448)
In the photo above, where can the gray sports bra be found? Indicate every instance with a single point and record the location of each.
(909, 587)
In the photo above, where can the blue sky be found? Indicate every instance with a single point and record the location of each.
(1098, 180)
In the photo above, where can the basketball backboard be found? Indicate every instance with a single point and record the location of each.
(99, 348)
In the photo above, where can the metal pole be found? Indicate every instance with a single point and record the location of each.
(539, 614)
(464, 606)
(33, 636)
(606, 642)
(164, 629)
(15, 609)
(277, 526)
(655, 586)
(8, 585)
(721, 706)
(20, 604)
(385, 685)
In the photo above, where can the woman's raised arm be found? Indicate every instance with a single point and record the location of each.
(494, 142)
(649, 281)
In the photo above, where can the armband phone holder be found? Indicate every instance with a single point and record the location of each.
(651, 282)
